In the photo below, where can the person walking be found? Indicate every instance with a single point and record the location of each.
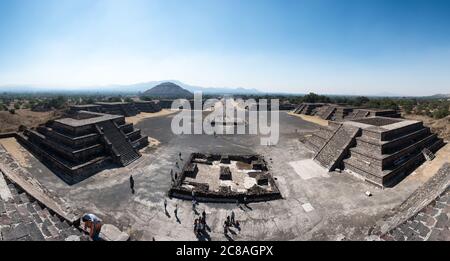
(232, 217)
(165, 205)
(132, 184)
(176, 211)
(225, 228)
(193, 205)
(196, 227)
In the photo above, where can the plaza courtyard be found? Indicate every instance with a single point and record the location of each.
(315, 205)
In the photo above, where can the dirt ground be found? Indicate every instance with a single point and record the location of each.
(441, 126)
(145, 115)
(11, 122)
(313, 119)
(429, 168)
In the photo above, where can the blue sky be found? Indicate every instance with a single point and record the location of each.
(324, 46)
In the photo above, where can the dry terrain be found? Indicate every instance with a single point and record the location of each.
(441, 126)
(28, 118)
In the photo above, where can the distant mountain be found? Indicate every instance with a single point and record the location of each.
(140, 87)
(440, 96)
(168, 90)
(129, 88)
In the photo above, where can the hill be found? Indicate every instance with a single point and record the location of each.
(168, 90)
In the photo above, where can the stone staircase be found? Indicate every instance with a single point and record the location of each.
(360, 114)
(328, 112)
(336, 147)
(23, 218)
(299, 108)
(119, 142)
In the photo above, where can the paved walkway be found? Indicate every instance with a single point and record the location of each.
(432, 223)
(433, 220)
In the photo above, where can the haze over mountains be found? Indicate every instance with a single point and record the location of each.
(139, 88)
(130, 88)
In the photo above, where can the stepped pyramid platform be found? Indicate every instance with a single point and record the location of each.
(147, 106)
(342, 113)
(308, 108)
(382, 150)
(362, 113)
(389, 149)
(84, 143)
(126, 109)
(87, 107)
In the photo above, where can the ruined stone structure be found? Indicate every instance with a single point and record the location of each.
(81, 145)
(342, 113)
(147, 106)
(88, 107)
(167, 103)
(382, 150)
(118, 108)
(308, 108)
(226, 179)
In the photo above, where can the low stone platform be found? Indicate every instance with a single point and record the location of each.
(126, 109)
(243, 178)
(335, 112)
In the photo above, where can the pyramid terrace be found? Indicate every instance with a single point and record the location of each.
(84, 143)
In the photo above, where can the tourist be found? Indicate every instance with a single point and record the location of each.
(193, 204)
(180, 156)
(165, 205)
(132, 184)
(232, 217)
(225, 228)
(94, 224)
(201, 226)
(203, 220)
(196, 227)
(204, 216)
(176, 211)
(228, 221)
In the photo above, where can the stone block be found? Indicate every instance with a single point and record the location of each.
(263, 181)
(111, 233)
(225, 173)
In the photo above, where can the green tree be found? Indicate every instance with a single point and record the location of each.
(440, 113)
